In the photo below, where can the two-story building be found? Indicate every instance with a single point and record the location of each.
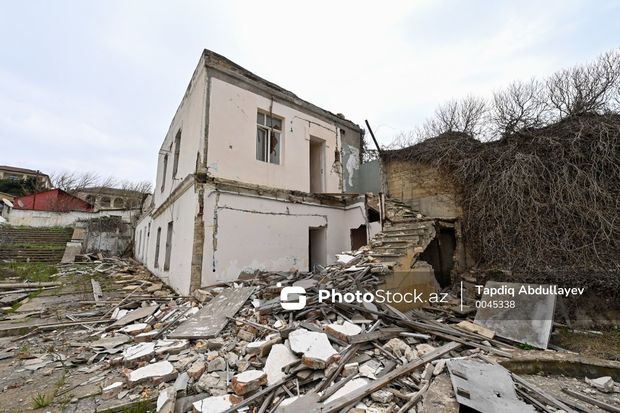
(250, 177)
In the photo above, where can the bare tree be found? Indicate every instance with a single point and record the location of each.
(521, 105)
(74, 181)
(466, 115)
(586, 88)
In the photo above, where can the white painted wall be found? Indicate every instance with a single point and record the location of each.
(253, 233)
(32, 218)
(232, 141)
(182, 213)
(190, 119)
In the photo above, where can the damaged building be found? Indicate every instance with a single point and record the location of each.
(251, 177)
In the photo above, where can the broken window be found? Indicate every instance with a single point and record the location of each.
(156, 264)
(177, 151)
(168, 247)
(268, 138)
(163, 175)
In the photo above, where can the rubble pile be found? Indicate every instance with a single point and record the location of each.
(233, 347)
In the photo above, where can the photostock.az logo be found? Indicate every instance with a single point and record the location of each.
(292, 298)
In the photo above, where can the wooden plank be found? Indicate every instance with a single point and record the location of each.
(375, 385)
(383, 334)
(475, 328)
(591, 400)
(213, 317)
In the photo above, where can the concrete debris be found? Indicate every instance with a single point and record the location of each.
(604, 384)
(166, 400)
(233, 346)
(315, 348)
(248, 381)
(400, 349)
(279, 357)
(342, 331)
(155, 373)
(216, 404)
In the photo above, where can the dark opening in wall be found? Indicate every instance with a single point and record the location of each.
(440, 254)
(358, 237)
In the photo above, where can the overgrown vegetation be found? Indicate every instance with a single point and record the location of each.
(538, 172)
(31, 271)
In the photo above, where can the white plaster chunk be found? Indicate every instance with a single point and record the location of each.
(344, 330)
(216, 404)
(134, 329)
(346, 389)
(171, 346)
(166, 400)
(604, 384)
(279, 357)
(344, 258)
(317, 351)
(139, 352)
(160, 372)
(249, 380)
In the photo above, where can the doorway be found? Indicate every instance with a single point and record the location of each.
(358, 237)
(317, 248)
(317, 165)
(440, 254)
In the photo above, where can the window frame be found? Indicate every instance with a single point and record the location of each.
(268, 118)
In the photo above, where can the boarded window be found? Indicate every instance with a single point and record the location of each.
(268, 138)
(156, 264)
(168, 247)
(177, 151)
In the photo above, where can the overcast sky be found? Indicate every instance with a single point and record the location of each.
(93, 85)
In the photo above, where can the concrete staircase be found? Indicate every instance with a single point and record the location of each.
(31, 244)
(406, 234)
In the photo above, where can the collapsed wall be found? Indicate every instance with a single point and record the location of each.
(542, 203)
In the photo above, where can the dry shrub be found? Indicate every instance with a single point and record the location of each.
(541, 200)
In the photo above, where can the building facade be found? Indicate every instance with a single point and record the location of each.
(104, 198)
(250, 177)
(16, 173)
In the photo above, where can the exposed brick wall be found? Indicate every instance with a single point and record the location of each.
(423, 187)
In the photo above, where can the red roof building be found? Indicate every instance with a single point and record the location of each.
(55, 200)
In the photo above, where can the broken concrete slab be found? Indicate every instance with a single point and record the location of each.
(109, 343)
(170, 346)
(112, 390)
(213, 317)
(439, 398)
(262, 348)
(486, 388)
(342, 331)
(279, 357)
(166, 400)
(604, 384)
(135, 329)
(213, 383)
(139, 352)
(132, 316)
(160, 372)
(349, 387)
(196, 369)
(248, 381)
(317, 352)
(529, 321)
(216, 404)
(71, 250)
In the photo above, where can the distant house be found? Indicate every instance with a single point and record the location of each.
(55, 200)
(15, 173)
(111, 198)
